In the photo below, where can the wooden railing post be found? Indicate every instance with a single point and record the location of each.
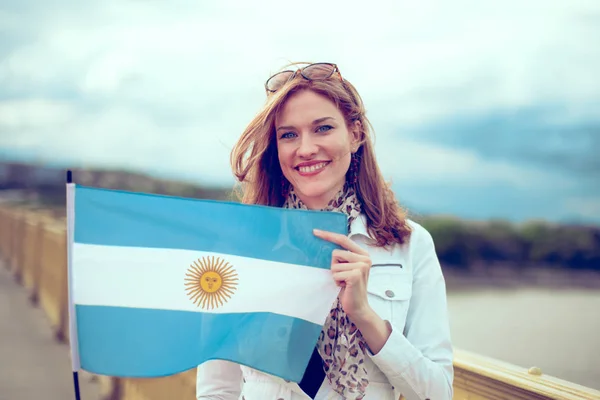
(19, 261)
(63, 289)
(14, 242)
(37, 261)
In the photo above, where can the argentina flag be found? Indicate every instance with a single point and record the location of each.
(160, 284)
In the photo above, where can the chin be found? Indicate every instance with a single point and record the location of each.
(316, 190)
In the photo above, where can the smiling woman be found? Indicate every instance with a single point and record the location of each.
(387, 334)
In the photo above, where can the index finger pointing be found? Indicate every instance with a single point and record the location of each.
(341, 240)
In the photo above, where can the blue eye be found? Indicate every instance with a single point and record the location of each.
(287, 135)
(324, 128)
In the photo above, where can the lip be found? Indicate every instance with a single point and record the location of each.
(309, 164)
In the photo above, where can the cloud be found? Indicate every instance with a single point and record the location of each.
(168, 88)
(428, 163)
(532, 137)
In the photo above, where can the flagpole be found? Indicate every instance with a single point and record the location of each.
(74, 343)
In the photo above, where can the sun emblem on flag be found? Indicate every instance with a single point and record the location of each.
(210, 282)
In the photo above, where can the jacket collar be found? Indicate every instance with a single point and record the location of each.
(359, 227)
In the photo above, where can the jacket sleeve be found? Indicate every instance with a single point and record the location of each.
(419, 361)
(218, 380)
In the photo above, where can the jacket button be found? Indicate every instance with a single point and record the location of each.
(389, 293)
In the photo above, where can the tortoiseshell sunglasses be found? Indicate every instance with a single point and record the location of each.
(312, 72)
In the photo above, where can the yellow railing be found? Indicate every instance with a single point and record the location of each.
(33, 248)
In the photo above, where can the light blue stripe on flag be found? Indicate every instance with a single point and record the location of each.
(133, 252)
(116, 218)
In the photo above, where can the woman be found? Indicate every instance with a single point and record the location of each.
(310, 148)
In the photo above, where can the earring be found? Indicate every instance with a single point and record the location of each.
(352, 175)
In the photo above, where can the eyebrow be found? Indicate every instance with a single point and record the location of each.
(315, 122)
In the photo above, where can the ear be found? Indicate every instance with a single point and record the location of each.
(356, 135)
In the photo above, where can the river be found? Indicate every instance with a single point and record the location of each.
(555, 329)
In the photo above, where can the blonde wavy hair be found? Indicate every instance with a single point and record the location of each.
(256, 166)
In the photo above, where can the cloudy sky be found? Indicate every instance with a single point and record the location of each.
(481, 108)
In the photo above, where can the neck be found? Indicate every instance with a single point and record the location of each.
(315, 204)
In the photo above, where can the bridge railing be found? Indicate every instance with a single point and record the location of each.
(33, 248)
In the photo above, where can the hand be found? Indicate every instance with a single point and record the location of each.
(350, 269)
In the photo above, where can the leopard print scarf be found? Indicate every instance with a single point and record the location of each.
(340, 343)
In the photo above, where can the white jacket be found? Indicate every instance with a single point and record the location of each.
(406, 287)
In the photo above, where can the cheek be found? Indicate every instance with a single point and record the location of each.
(343, 165)
(339, 147)
(343, 157)
(284, 157)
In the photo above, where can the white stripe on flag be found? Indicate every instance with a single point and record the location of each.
(155, 279)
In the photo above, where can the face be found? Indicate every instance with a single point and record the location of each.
(210, 282)
(314, 147)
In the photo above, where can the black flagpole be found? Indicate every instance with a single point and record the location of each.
(76, 385)
(75, 372)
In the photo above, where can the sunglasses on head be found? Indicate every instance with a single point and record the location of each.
(312, 72)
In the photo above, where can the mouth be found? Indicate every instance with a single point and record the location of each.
(311, 169)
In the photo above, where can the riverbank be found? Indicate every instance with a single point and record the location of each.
(515, 277)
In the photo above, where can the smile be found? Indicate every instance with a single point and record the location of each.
(311, 169)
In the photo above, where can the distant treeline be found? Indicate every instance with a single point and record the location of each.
(48, 183)
(460, 244)
(463, 244)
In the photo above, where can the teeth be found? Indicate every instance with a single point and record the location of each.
(312, 168)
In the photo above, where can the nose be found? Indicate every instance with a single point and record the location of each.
(308, 148)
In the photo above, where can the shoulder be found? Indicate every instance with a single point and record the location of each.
(419, 233)
(419, 239)
(422, 253)
(421, 247)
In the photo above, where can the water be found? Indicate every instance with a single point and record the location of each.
(557, 330)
